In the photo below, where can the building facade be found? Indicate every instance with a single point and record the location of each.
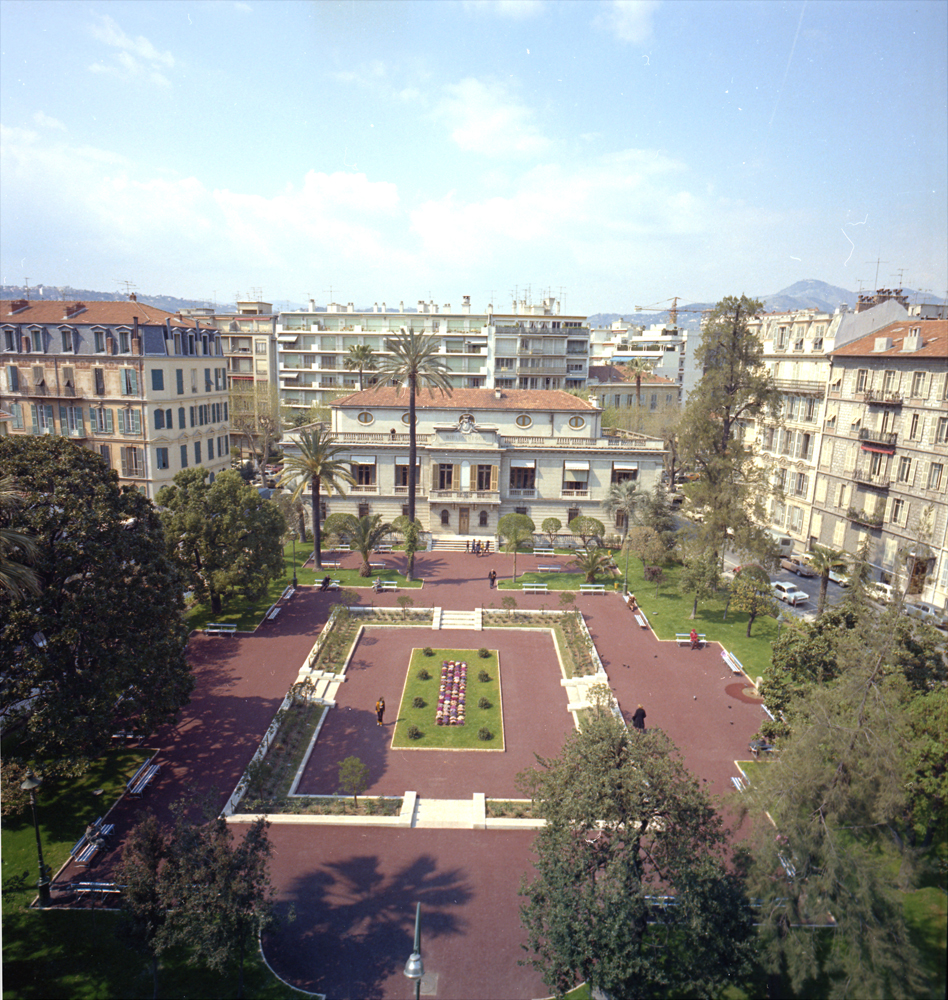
(484, 453)
(143, 388)
(531, 347)
(667, 349)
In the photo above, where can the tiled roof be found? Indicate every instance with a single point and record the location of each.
(934, 333)
(469, 399)
(616, 374)
(120, 313)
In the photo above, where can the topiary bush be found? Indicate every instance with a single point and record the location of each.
(419, 702)
(428, 651)
(414, 733)
(484, 733)
(484, 703)
(423, 675)
(484, 653)
(483, 677)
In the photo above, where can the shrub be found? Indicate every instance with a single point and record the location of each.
(484, 653)
(484, 703)
(483, 677)
(370, 807)
(414, 733)
(428, 651)
(419, 702)
(423, 675)
(484, 733)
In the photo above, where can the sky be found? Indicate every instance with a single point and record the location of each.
(610, 154)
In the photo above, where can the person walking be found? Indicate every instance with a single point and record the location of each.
(638, 718)
(380, 709)
(492, 576)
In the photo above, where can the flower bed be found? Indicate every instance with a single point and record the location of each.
(451, 693)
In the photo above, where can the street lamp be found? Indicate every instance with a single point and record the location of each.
(414, 967)
(29, 784)
(294, 562)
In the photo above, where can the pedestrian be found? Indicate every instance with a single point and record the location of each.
(638, 718)
(477, 548)
(695, 641)
(487, 548)
(467, 545)
(380, 709)
(632, 605)
(492, 576)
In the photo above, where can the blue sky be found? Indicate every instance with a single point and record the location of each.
(612, 153)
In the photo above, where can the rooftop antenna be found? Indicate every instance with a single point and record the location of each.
(901, 274)
(26, 288)
(331, 300)
(877, 262)
(861, 282)
(129, 285)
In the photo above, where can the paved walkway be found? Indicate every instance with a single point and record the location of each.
(354, 888)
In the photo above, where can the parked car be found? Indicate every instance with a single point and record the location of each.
(790, 593)
(840, 578)
(880, 592)
(796, 565)
(927, 613)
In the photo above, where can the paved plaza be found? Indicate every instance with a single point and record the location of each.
(354, 888)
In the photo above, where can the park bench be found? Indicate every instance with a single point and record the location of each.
(216, 628)
(757, 747)
(378, 565)
(103, 888)
(342, 548)
(738, 783)
(274, 612)
(640, 618)
(548, 569)
(84, 849)
(544, 552)
(534, 588)
(788, 866)
(388, 585)
(287, 594)
(331, 565)
(684, 638)
(592, 588)
(383, 548)
(733, 662)
(142, 778)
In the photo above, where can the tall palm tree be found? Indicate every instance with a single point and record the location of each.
(414, 363)
(825, 560)
(623, 498)
(319, 467)
(361, 359)
(363, 534)
(638, 367)
(17, 548)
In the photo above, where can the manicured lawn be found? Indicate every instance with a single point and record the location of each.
(435, 737)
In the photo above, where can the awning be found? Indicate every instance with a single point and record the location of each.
(576, 466)
(523, 463)
(403, 460)
(882, 449)
(625, 466)
(362, 459)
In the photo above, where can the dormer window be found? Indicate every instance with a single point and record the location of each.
(124, 343)
(99, 336)
(36, 340)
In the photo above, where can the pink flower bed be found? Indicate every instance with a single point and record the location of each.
(451, 693)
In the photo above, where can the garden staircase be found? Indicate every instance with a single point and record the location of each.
(460, 543)
(457, 619)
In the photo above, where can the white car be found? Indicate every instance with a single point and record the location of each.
(880, 592)
(790, 593)
(839, 578)
(927, 613)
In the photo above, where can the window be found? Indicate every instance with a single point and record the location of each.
(905, 469)
(36, 341)
(124, 347)
(17, 411)
(485, 478)
(100, 420)
(159, 420)
(13, 378)
(919, 384)
(941, 431)
(524, 420)
(624, 472)
(184, 456)
(99, 337)
(801, 481)
(935, 473)
(862, 379)
(521, 510)
(522, 479)
(70, 418)
(161, 458)
(197, 452)
(889, 382)
(129, 382)
(132, 465)
(365, 476)
(571, 514)
(482, 519)
(157, 380)
(181, 419)
(914, 432)
(898, 511)
(445, 519)
(445, 476)
(577, 422)
(179, 379)
(130, 421)
(260, 346)
(191, 412)
(194, 379)
(9, 340)
(796, 518)
(105, 453)
(365, 417)
(67, 341)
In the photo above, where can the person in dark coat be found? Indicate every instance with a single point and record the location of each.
(638, 718)
(380, 709)
(492, 576)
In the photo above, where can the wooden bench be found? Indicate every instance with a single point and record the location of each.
(142, 778)
(544, 552)
(684, 638)
(640, 618)
(534, 588)
(342, 548)
(592, 588)
(216, 628)
(388, 585)
(548, 569)
(733, 662)
(274, 612)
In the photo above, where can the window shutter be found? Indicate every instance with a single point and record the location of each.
(99, 381)
(493, 478)
(63, 421)
(456, 477)
(850, 463)
(136, 422)
(49, 415)
(434, 475)
(159, 420)
(109, 422)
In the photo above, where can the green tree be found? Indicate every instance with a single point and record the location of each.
(353, 777)
(637, 368)
(411, 533)
(593, 561)
(361, 359)
(363, 534)
(17, 548)
(414, 363)
(655, 512)
(622, 504)
(587, 528)
(223, 535)
(255, 416)
(627, 827)
(647, 546)
(699, 577)
(320, 467)
(751, 592)
(925, 767)
(550, 527)
(736, 386)
(824, 561)
(103, 644)
(516, 530)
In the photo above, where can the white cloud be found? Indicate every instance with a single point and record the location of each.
(45, 121)
(518, 10)
(484, 118)
(244, 8)
(136, 57)
(628, 20)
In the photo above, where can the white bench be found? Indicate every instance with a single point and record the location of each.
(383, 548)
(592, 588)
(142, 778)
(342, 548)
(84, 849)
(640, 618)
(548, 569)
(274, 612)
(788, 866)
(732, 661)
(738, 783)
(331, 565)
(218, 629)
(534, 588)
(388, 585)
(378, 565)
(544, 552)
(287, 594)
(684, 638)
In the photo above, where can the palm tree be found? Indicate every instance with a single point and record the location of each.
(825, 560)
(516, 529)
(412, 364)
(361, 359)
(319, 466)
(637, 368)
(592, 561)
(363, 533)
(624, 499)
(17, 548)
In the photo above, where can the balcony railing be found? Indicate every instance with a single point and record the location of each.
(886, 438)
(522, 494)
(812, 386)
(866, 478)
(472, 496)
(881, 397)
(864, 518)
(572, 492)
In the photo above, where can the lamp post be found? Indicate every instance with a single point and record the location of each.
(29, 784)
(414, 967)
(294, 562)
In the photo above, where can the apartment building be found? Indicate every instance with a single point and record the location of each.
(532, 347)
(142, 387)
(667, 349)
(484, 453)
(883, 459)
(613, 386)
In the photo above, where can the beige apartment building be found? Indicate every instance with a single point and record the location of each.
(144, 388)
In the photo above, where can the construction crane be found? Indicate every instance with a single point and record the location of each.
(672, 312)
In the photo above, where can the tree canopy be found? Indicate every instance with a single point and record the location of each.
(224, 536)
(516, 529)
(102, 646)
(635, 891)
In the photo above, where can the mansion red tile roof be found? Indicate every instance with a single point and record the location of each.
(118, 313)
(469, 399)
(934, 334)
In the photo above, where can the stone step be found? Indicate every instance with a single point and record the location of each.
(447, 814)
(461, 619)
(460, 543)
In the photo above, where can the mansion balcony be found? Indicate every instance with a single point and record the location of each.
(812, 387)
(879, 398)
(877, 482)
(864, 518)
(873, 440)
(550, 369)
(464, 496)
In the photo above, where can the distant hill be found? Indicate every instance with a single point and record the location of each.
(49, 292)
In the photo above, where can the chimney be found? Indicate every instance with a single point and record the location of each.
(383, 308)
(466, 304)
(912, 342)
(312, 305)
(498, 394)
(350, 307)
(883, 344)
(401, 306)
